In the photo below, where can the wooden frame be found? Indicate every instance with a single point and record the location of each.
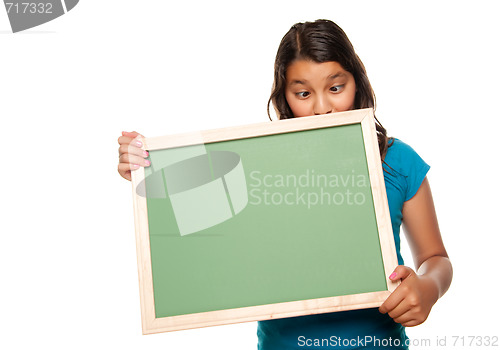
(364, 117)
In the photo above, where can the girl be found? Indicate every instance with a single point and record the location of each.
(318, 72)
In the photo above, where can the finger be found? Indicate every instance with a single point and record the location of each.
(414, 316)
(134, 135)
(405, 319)
(401, 309)
(391, 302)
(125, 140)
(128, 158)
(128, 145)
(131, 134)
(411, 323)
(125, 169)
(394, 299)
(133, 150)
(401, 272)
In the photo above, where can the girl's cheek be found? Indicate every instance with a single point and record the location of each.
(301, 109)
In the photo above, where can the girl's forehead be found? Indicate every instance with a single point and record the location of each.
(306, 70)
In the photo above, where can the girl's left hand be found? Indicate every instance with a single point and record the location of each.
(411, 302)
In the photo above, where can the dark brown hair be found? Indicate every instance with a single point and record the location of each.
(322, 41)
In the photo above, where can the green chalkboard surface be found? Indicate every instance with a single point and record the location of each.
(255, 223)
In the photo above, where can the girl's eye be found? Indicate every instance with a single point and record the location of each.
(302, 94)
(337, 88)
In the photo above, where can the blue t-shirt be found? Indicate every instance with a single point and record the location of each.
(404, 172)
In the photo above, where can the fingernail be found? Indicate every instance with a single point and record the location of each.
(393, 275)
(135, 166)
(148, 163)
(146, 153)
(138, 143)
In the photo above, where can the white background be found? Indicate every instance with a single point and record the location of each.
(69, 87)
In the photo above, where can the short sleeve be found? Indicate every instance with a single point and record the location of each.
(415, 169)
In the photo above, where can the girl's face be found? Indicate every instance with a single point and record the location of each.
(319, 88)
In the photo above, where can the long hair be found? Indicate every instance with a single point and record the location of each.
(322, 41)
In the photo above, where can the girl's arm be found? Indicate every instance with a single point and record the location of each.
(411, 302)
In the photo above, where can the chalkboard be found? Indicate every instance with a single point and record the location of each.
(262, 221)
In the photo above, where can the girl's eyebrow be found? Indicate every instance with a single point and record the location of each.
(298, 82)
(337, 75)
(331, 77)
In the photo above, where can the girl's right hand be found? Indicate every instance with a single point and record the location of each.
(131, 156)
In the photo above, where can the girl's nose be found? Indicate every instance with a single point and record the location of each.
(322, 106)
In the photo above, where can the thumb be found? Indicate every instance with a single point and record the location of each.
(400, 273)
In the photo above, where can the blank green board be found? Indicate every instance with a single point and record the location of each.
(308, 229)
